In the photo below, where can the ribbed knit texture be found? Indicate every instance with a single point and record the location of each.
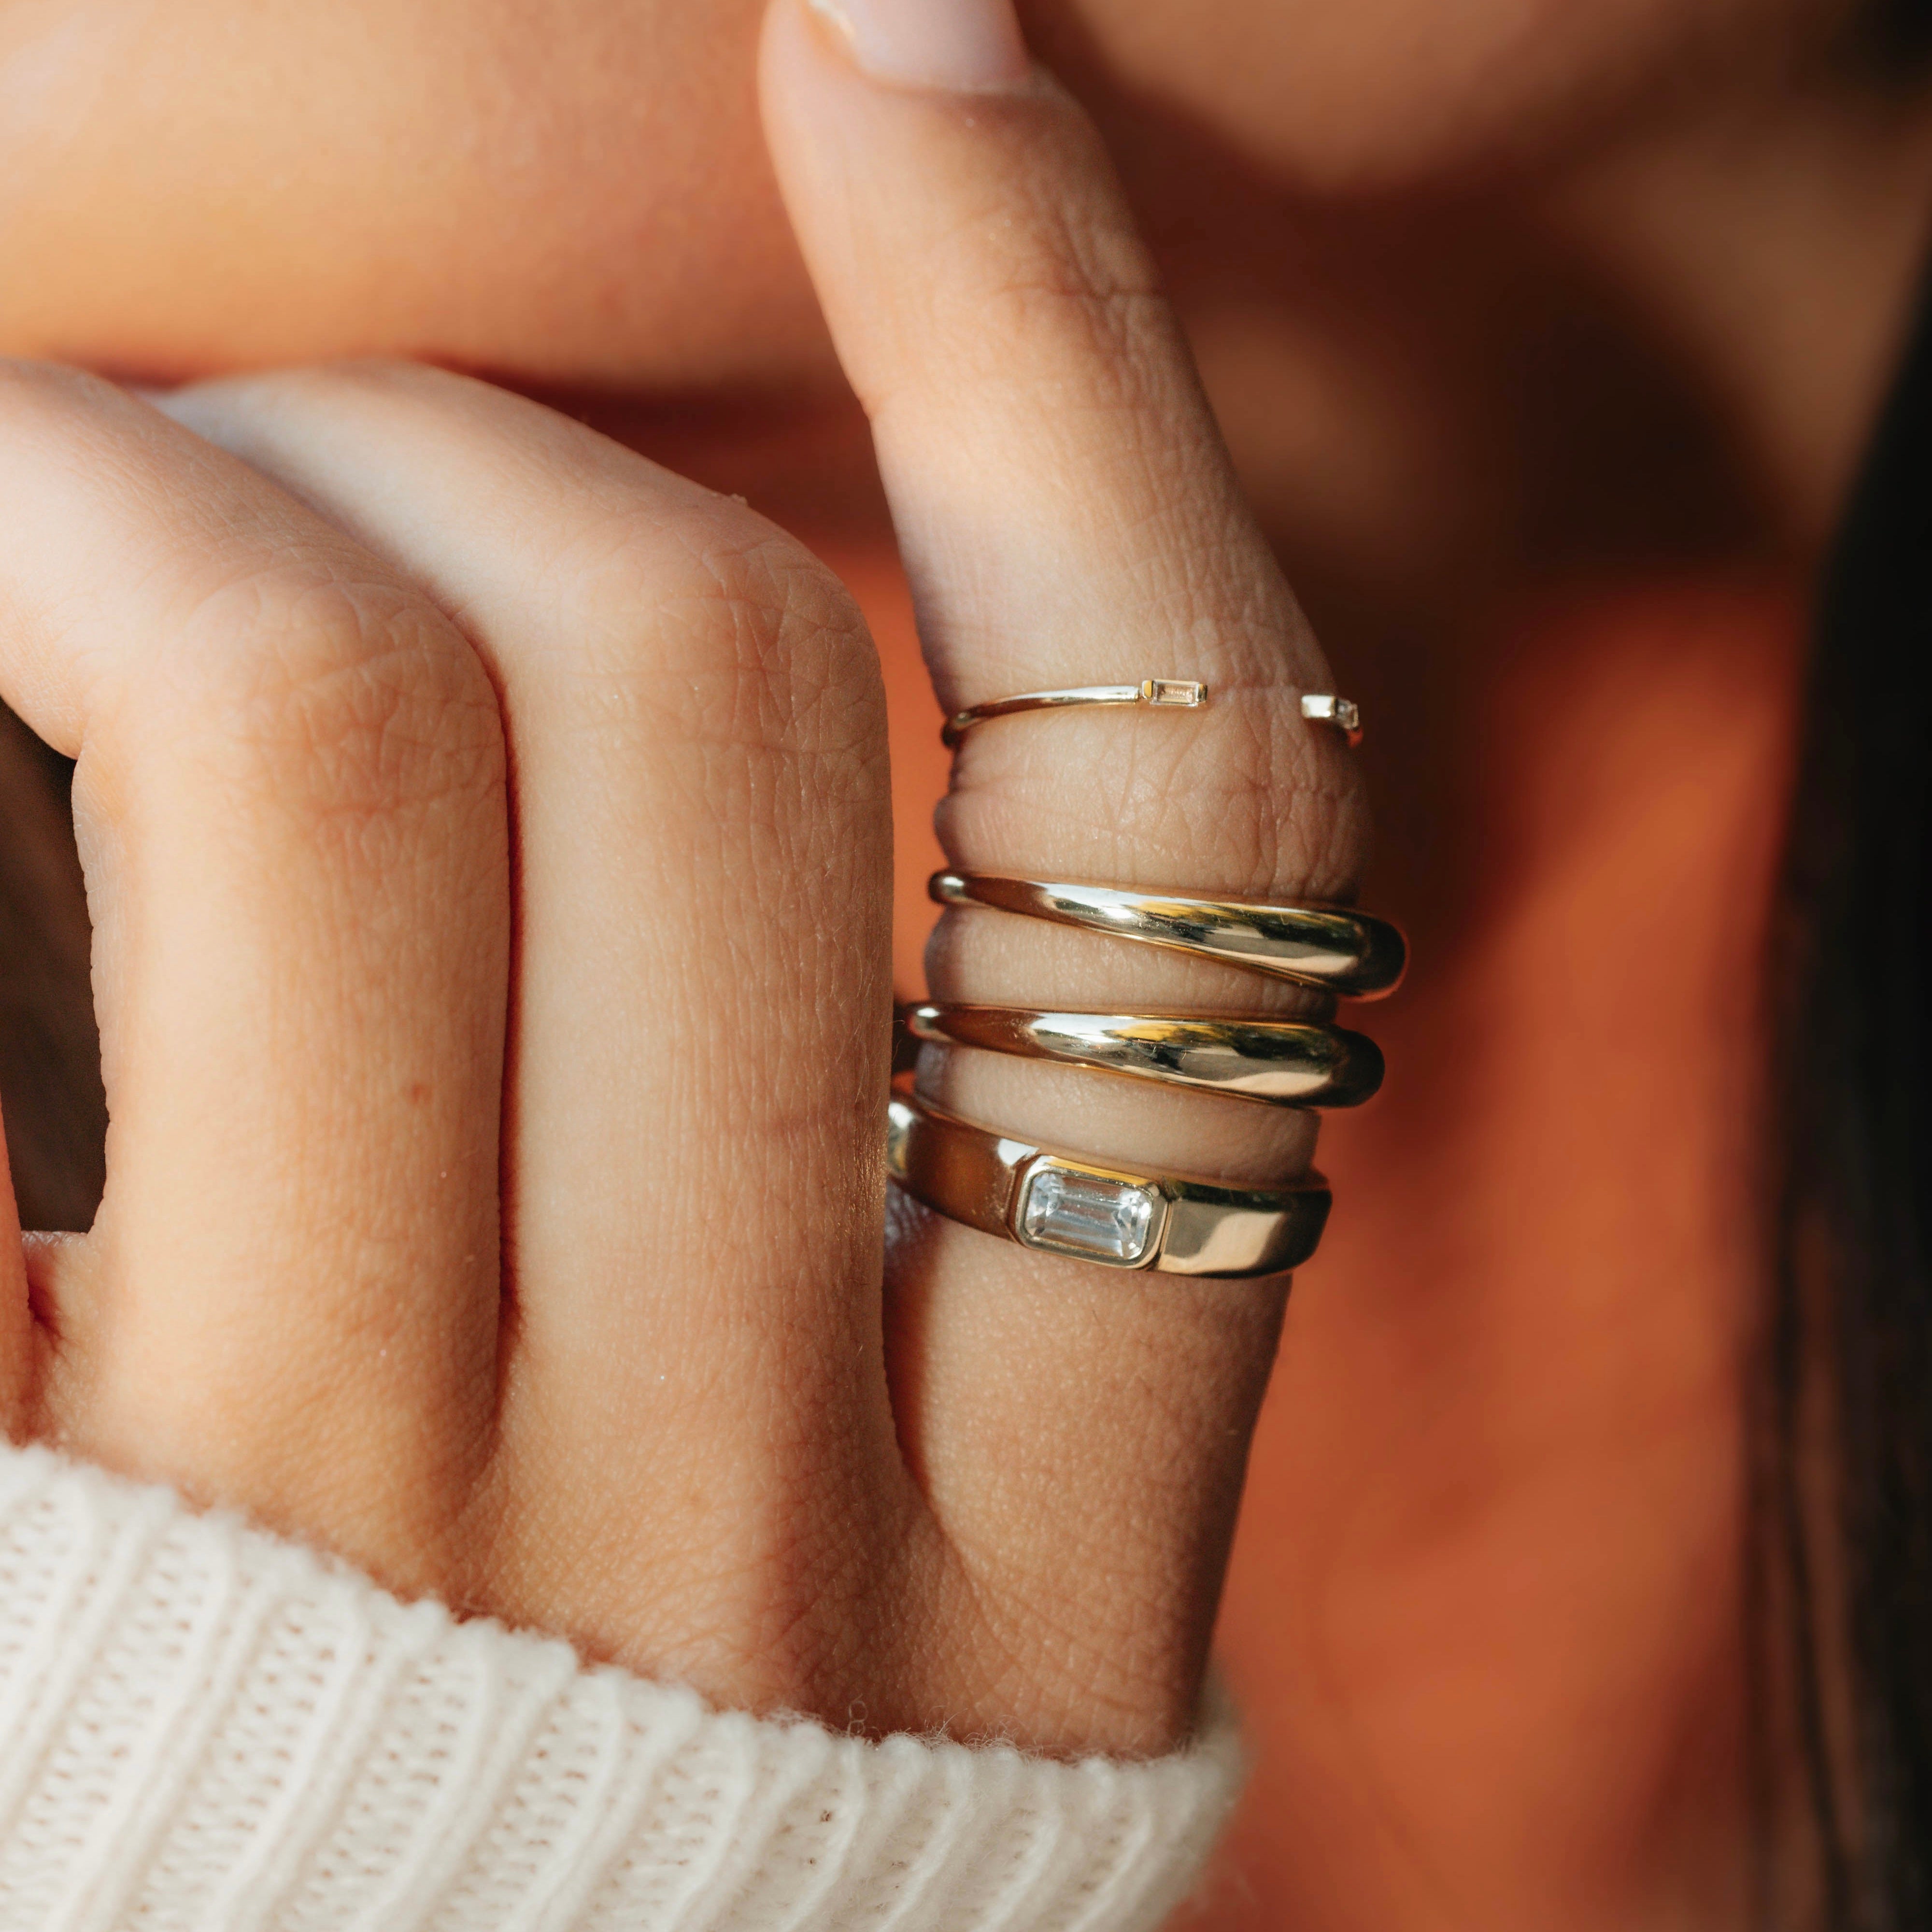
(205, 1728)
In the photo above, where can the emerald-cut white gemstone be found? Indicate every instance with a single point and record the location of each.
(1088, 1214)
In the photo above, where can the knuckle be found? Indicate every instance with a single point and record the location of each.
(1062, 271)
(715, 616)
(1082, 272)
(1246, 804)
(332, 697)
(1281, 820)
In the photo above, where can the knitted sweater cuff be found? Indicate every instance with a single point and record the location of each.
(203, 1727)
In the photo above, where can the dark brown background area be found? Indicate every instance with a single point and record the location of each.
(56, 1113)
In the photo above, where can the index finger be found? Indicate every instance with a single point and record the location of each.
(1063, 502)
(1068, 516)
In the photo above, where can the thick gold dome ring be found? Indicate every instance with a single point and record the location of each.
(1066, 1204)
(1350, 954)
(1278, 1063)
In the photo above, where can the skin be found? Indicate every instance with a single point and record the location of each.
(562, 1326)
(1471, 1511)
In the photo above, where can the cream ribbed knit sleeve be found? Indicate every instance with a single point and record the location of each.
(204, 1729)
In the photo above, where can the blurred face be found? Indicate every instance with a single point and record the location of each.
(574, 191)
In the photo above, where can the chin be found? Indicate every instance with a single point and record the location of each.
(1341, 98)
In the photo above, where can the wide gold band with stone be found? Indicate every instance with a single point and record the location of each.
(1162, 694)
(1280, 1062)
(1062, 1203)
(1342, 951)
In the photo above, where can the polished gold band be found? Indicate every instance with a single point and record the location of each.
(1344, 952)
(1060, 1203)
(1161, 693)
(1281, 1063)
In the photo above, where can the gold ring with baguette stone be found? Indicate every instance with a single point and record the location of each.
(1162, 694)
(1280, 1063)
(1348, 953)
(1061, 1203)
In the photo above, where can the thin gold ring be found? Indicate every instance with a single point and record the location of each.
(1064, 1204)
(1162, 694)
(1280, 1062)
(1351, 954)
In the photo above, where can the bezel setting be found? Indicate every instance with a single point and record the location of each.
(1093, 1214)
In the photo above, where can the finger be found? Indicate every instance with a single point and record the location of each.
(696, 1381)
(289, 800)
(1068, 516)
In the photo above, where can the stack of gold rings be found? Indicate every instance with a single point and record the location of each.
(1063, 1204)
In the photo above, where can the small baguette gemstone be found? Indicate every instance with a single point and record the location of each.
(1183, 692)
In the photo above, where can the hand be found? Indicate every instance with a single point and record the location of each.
(487, 840)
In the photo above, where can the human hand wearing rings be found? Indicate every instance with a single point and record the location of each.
(488, 843)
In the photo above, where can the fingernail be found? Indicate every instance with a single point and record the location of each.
(962, 46)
